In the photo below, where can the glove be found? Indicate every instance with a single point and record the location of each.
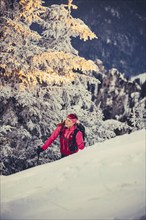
(39, 150)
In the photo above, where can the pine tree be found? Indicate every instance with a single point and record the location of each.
(29, 58)
(137, 115)
(42, 80)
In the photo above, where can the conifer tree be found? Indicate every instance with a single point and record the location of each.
(29, 58)
(40, 83)
(137, 115)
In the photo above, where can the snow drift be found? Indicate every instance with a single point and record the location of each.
(104, 181)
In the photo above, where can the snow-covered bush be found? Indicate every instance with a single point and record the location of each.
(115, 127)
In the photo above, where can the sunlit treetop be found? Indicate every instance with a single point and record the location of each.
(29, 57)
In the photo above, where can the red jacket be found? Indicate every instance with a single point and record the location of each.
(66, 135)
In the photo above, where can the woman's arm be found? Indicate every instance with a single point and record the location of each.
(52, 138)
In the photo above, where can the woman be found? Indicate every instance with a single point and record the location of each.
(66, 132)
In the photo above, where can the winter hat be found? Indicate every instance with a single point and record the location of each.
(73, 117)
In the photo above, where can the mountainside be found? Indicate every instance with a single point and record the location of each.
(120, 27)
(105, 181)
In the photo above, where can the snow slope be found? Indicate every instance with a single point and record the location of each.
(105, 181)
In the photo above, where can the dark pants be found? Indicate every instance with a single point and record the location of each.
(62, 156)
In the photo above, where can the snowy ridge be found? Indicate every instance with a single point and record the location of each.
(105, 181)
(141, 77)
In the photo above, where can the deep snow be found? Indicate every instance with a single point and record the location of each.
(104, 181)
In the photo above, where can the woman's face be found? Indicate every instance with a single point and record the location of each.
(69, 123)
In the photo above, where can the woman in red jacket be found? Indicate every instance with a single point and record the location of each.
(66, 131)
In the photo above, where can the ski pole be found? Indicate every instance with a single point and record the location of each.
(38, 158)
(39, 150)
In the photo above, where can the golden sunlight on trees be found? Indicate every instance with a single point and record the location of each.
(71, 5)
(29, 58)
(30, 10)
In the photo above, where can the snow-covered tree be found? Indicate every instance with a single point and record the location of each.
(29, 58)
(117, 95)
(42, 80)
(137, 115)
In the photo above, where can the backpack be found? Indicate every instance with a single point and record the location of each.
(73, 145)
(80, 127)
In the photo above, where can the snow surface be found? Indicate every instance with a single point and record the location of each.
(104, 181)
(141, 77)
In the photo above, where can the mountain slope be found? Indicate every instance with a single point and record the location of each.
(105, 181)
(120, 27)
